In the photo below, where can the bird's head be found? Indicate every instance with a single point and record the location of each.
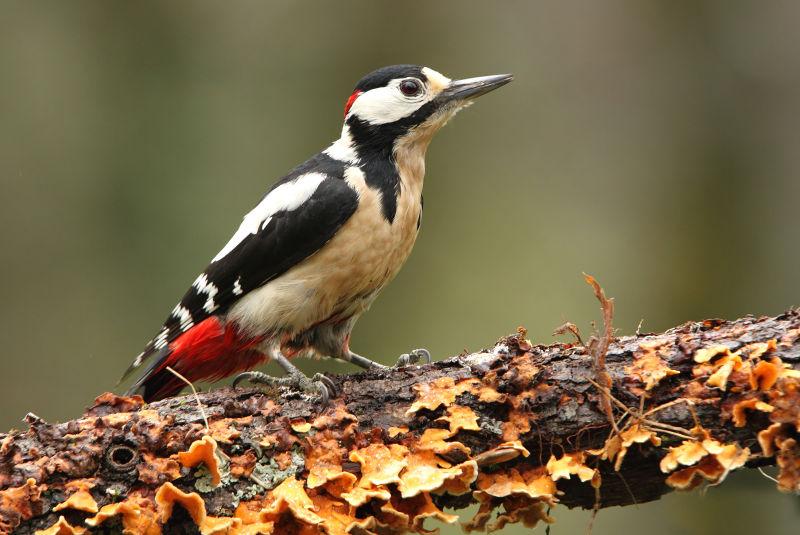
(407, 104)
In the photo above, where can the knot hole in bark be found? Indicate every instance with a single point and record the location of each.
(121, 457)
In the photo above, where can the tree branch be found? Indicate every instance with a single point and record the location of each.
(516, 428)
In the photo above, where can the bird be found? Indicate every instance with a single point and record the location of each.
(314, 253)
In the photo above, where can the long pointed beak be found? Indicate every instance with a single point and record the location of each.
(470, 88)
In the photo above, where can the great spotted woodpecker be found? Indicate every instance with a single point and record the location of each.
(311, 257)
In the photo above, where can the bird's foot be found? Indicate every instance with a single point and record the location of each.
(414, 357)
(318, 384)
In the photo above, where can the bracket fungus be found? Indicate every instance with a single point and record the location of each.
(516, 429)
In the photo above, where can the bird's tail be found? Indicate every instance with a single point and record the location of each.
(157, 381)
(210, 350)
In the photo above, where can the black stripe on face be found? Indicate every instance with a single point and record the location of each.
(374, 144)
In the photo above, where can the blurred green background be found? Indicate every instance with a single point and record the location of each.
(651, 144)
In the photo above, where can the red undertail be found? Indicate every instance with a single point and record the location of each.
(207, 351)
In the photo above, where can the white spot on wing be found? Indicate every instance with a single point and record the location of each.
(237, 286)
(204, 286)
(182, 314)
(161, 339)
(287, 196)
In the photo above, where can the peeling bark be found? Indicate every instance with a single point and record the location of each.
(492, 427)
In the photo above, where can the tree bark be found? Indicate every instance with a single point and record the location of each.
(517, 428)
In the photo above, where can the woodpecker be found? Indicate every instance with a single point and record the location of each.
(317, 249)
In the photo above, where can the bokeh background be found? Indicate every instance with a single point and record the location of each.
(652, 144)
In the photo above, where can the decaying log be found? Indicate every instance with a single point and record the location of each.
(517, 428)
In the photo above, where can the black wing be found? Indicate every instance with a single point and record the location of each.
(283, 239)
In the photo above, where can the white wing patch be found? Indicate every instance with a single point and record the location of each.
(184, 316)
(288, 196)
(237, 286)
(161, 339)
(204, 286)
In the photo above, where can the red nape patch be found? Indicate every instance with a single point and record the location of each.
(210, 350)
(350, 101)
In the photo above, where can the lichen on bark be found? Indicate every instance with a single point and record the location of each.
(517, 428)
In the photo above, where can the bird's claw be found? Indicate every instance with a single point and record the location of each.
(319, 384)
(414, 357)
(326, 384)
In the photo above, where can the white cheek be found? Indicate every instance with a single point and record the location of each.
(384, 105)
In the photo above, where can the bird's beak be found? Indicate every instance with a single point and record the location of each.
(470, 88)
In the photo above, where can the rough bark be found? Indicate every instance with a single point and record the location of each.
(492, 427)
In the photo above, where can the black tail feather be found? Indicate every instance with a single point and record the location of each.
(156, 382)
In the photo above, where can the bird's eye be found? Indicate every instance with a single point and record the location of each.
(410, 88)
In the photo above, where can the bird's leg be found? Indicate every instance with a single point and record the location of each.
(406, 359)
(364, 362)
(294, 378)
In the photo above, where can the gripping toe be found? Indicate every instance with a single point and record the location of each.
(414, 357)
(327, 382)
(319, 384)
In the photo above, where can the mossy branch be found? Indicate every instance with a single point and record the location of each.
(517, 428)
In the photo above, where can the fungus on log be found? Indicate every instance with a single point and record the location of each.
(516, 428)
